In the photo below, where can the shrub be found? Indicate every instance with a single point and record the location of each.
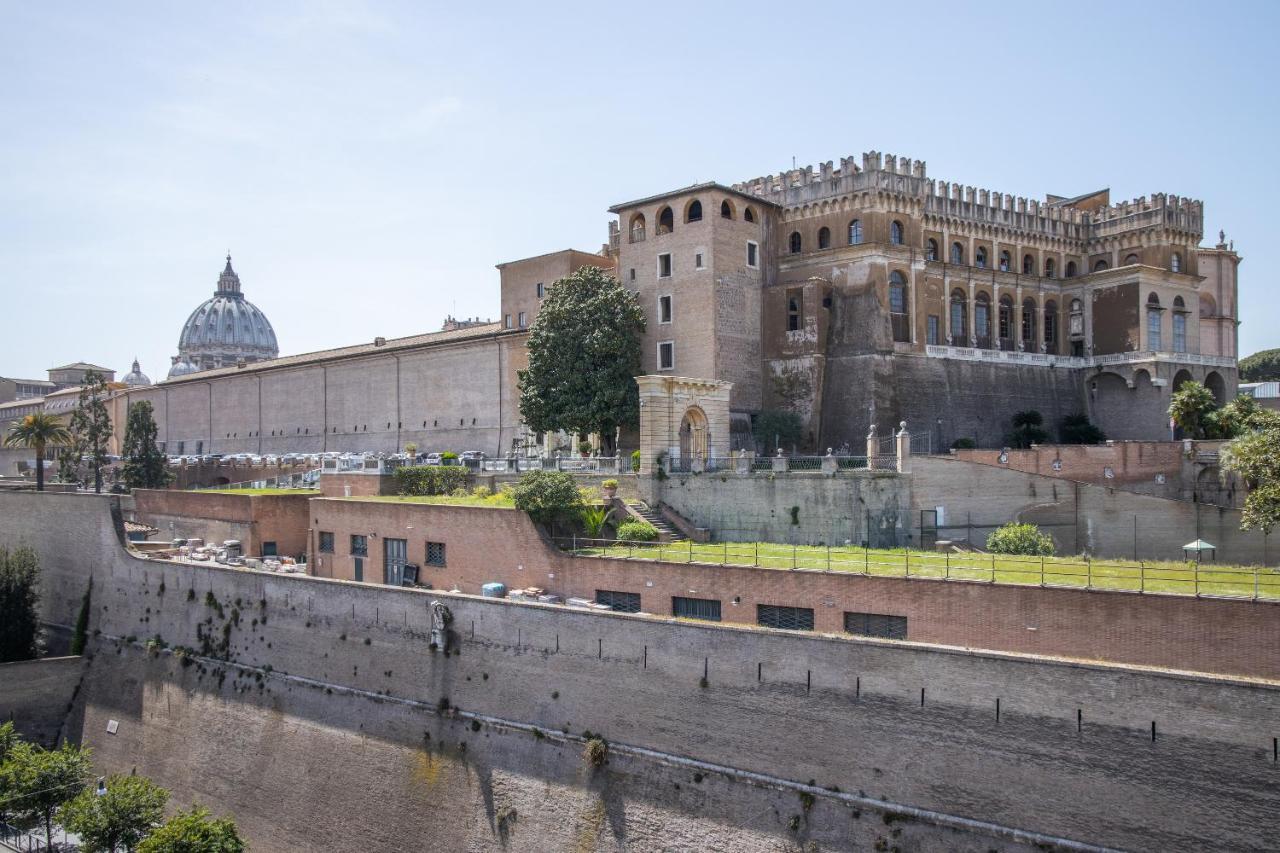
(1026, 539)
(635, 460)
(964, 444)
(481, 492)
(594, 519)
(547, 495)
(637, 531)
(596, 752)
(430, 479)
(1076, 429)
(448, 456)
(584, 447)
(1027, 430)
(774, 429)
(609, 484)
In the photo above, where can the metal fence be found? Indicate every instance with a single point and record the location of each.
(576, 464)
(1201, 580)
(12, 838)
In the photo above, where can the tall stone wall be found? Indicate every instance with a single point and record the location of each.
(37, 694)
(1131, 758)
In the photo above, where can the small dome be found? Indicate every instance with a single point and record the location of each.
(181, 367)
(226, 329)
(135, 378)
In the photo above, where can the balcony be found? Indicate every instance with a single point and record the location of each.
(1051, 360)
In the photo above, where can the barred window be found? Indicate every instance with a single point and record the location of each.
(696, 608)
(786, 618)
(619, 602)
(876, 625)
(326, 542)
(435, 554)
(359, 545)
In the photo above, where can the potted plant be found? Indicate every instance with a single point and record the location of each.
(584, 448)
(610, 487)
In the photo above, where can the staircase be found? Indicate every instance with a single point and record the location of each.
(666, 532)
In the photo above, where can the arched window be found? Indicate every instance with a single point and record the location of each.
(1100, 265)
(959, 335)
(1179, 304)
(666, 221)
(895, 233)
(957, 253)
(693, 213)
(1050, 268)
(1005, 260)
(726, 210)
(855, 232)
(1153, 299)
(1130, 259)
(982, 320)
(748, 215)
(1006, 323)
(1051, 326)
(898, 315)
(931, 250)
(637, 228)
(1028, 265)
(1175, 263)
(824, 237)
(980, 257)
(1071, 269)
(795, 242)
(1028, 324)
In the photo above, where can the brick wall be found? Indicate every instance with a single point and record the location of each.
(216, 517)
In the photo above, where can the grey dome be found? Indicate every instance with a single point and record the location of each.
(226, 329)
(181, 367)
(135, 378)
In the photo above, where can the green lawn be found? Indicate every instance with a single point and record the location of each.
(260, 491)
(1165, 577)
(501, 500)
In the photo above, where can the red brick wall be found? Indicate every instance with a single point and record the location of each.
(1130, 461)
(484, 545)
(360, 485)
(252, 518)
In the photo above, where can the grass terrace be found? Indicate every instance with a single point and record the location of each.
(501, 500)
(270, 491)
(1174, 578)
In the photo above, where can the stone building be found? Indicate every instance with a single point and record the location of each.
(871, 292)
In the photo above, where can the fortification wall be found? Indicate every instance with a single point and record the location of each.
(1131, 758)
(37, 694)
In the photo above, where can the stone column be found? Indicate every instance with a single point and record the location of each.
(873, 447)
(904, 449)
(779, 462)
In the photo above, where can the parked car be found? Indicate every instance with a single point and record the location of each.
(471, 455)
(431, 459)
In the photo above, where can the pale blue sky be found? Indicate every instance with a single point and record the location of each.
(369, 163)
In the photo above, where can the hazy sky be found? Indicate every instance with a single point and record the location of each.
(368, 164)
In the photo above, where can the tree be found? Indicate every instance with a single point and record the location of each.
(42, 781)
(584, 352)
(144, 465)
(1191, 407)
(1013, 538)
(1261, 366)
(1255, 458)
(1077, 429)
(19, 597)
(91, 424)
(127, 812)
(37, 431)
(547, 496)
(1026, 430)
(194, 832)
(774, 428)
(1234, 419)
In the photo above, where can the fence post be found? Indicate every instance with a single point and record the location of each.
(1088, 565)
(793, 555)
(1255, 584)
(1142, 577)
(993, 568)
(1042, 570)
(829, 569)
(690, 560)
(1197, 577)
(906, 563)
(947, 555)
(755, 554)
(726, 553)
(573, 542)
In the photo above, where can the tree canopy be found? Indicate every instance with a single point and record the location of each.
(37, 431)
(1255, 457)
(129, 809)
(584, 352)
(144, 465)
(19, 595)
(1027, 430)
(1191, 408)
(774, 428)
(1262, 366)
(195, 831)
(39, 782)
(90, 429)
(547, 496)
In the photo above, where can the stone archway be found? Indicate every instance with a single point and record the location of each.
(1216, 384)
(695, 437)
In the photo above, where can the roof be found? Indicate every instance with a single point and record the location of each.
(18, 404)
(29, 381)
(595, 255)
(709, 185)
(1199, 545)
(1261, 390)
(391, 345)
(83, 365)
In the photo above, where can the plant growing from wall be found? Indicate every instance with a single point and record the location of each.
(1024, 539)
(1077, 429)
(121, 816)
(37, 431)
(195, 831)
(82, 622)
(584, 352)
(1027, 430)
(144, 465)
(596, 751)
(19, 597)
(90, 424)
(637, 531)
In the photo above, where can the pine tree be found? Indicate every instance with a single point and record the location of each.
(91, 424)
(144, 465)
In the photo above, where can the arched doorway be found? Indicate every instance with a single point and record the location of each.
(695, 438)
(1215, 383)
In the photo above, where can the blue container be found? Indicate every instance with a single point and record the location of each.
(494, 590)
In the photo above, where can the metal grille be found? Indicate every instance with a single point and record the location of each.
(326, 542)
(395, 552)
(786, 618)
(696, 608)
(619, 602)
(435, 554)
(359, 546)
(876, 625)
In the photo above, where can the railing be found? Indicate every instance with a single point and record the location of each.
(12, 838)
(804, 463)
(573, 464)
(1192, 579)
(1049, 359)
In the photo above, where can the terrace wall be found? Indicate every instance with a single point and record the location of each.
(216, 517)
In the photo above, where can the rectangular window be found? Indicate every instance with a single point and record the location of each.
(359, 546)
(795, 309)
(1153, 331)
(786, 618)
(506, 321)
(619, 602)
(697, 261)
(633, 273)
(933, 331)
(326, 542)
(876, 625)
(696, 608)
(435, 554)
(541, 290)
(664, 309)
(664, 265)
(523, 323)
(666, 355)
(753, 253)
(1179, 332)
(269, 549)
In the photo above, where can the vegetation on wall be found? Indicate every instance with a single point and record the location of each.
(1262, 366)
(1026, 539)
(19, 597)
(584, 352)
(1077, 429)
(144, 465)
(430, 479)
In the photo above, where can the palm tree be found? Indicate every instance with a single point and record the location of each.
(36, 431)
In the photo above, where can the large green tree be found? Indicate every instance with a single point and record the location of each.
(37, 431)
(144, 465)
(122, 815)
(1262, 366)
(1192, 407)
(1255, 457)
(19, 596)
(194, 832)
(91, 424)
(39, 782)
(584, 352)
